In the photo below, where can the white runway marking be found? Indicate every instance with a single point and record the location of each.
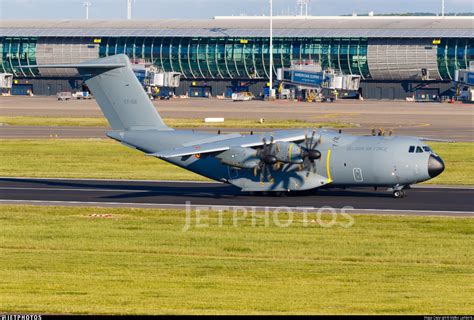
(113, 180)
(417, 186)
(100, 190)
(73, 189)
(180, 205)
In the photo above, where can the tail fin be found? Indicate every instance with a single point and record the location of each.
(119, 94)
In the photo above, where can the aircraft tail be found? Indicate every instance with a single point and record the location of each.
(118, 93)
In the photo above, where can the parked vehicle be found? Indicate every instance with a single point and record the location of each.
(81, 95)
(64, 96)
(242, 96)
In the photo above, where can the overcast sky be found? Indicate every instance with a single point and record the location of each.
(202, 9)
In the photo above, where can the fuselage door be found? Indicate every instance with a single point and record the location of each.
(358, 175)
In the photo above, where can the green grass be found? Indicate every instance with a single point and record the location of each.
(459, 160)
(175, 123)
(64, 261)
(106, 159)
(83, 158)
(53, 121)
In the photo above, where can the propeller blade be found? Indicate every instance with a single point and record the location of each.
(305, 165)
(269, 177)
(306, 162)
(317, 142)
(277, 166)
(262, 174)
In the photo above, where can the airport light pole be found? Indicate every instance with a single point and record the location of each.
(271, 96)
(87, 4)
(129, 9)
(442, 8)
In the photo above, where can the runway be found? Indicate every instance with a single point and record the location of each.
(31, 132)
(430, 120)
(174, 194)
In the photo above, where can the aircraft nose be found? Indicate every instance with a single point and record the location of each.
(435, 166)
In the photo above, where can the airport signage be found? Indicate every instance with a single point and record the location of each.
(470, 78)
(307, 78)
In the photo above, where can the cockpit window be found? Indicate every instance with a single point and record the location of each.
(427, 149)
(412, 149)
(419, 150)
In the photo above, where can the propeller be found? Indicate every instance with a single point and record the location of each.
(267, 160)
(310, 153)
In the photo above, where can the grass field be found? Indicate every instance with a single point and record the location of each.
(175, 123)
(83, 158)
(106, 159)
(64, 260)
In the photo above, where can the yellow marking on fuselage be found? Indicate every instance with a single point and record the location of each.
(328, 169)
(290, 151)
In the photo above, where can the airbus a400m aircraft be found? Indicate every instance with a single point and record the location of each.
(282, 161)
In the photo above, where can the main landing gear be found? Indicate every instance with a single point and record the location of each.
(398, 194)
(398, 191)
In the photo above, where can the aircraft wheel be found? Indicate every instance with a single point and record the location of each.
(398, 194)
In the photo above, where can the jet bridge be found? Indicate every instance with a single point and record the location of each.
(310, 82)
(464, 84)
(6, 83)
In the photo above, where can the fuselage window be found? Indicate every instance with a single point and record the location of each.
(412, 149)
(419, 150)
(427, 149)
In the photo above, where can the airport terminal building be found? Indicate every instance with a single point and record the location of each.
(396, 57)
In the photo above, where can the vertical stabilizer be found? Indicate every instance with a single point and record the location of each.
(118, 93)
(121, 96)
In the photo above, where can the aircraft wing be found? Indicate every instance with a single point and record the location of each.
(232, 141)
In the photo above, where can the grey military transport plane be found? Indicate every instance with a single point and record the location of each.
(282, 161)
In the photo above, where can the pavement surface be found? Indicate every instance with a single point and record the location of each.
(174, 194)
(30, 132)
(430, 120)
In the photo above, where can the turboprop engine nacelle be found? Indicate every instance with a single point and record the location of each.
(245, 158)
(287, 152)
